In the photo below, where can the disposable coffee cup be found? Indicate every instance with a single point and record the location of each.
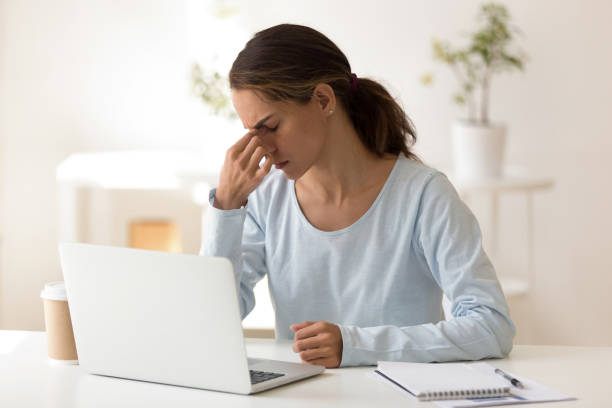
(61, 348)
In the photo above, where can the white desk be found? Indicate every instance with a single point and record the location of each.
(27, 380)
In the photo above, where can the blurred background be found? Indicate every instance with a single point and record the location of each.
(105, 139)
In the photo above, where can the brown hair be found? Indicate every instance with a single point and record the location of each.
(287, 61)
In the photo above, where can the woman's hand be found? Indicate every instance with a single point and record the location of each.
(241, 173)
(319, 343)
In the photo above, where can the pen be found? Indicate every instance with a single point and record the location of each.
(512, 380)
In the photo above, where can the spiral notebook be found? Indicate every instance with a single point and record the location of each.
(441, 381)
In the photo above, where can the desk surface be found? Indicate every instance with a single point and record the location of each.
(28, 380)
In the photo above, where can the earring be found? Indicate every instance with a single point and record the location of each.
(331, 112)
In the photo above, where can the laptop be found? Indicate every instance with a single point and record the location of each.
(164, 318)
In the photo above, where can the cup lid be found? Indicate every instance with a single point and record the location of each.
(54, 291)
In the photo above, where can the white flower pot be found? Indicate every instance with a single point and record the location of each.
(478, 150)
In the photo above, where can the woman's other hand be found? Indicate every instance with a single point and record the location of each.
(241, 173)
(318, 343)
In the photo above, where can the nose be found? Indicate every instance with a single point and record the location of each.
(268, 144)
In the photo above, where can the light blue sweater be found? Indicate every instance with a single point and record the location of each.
(380, 279)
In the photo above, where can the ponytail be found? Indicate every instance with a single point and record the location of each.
(380, 122)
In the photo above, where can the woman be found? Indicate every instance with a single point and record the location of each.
(358, 238)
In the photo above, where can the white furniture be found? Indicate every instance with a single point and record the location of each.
(28, 380)
(513, 181)
(101, 192)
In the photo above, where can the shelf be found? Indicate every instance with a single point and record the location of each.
(514, 286)
(136, 170)
(506, 183)
(513, 178)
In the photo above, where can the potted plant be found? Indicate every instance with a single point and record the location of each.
(212, 88)
(478, 144)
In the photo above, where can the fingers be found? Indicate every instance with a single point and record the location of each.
(247, 154)
(309, 331)
(318, 343)
(241, 173)
(256, 157)
(265, 169)
(305, 344)
(316, 353)
(296, 327)
(329, 362)
(242, 143)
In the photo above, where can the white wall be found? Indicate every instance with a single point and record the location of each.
(84, 76)
(108, 75)
(557, 112)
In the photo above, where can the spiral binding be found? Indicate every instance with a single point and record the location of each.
(463, 394)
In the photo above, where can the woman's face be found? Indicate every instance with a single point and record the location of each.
(294, 133)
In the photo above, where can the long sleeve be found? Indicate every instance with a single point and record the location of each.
(447, 235)
(235, 234)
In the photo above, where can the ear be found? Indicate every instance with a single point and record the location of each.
(325, 98)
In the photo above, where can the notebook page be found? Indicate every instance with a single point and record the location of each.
(533, 392)
(424, 378)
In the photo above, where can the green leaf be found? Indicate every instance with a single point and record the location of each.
(213, 89)
(427, 78)
(459, 99)
(488, 52)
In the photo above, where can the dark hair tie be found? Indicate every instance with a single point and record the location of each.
(353, 82)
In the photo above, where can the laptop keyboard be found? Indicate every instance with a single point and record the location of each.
(261, 376)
